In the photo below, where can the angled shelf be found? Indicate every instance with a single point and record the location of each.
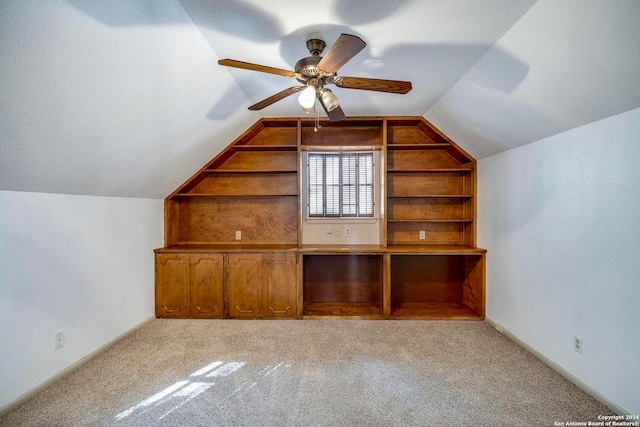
(418, 146)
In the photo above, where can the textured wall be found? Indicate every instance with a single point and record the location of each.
(79, 263)
(119, 99)
(559, 218)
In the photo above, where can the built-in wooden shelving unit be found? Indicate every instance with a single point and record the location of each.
(427, 265)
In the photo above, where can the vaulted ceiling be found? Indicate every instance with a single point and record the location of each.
(127, 98)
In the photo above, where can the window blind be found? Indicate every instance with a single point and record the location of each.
(340, 184)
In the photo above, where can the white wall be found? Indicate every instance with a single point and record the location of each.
(79, 263)
(561, 221)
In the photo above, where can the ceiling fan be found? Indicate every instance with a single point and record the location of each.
(316, 71)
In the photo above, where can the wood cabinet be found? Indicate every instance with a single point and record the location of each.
(233, 231)
(279, 284)
(189, 285)
(262, 284)
(172, 285)
(244, 280)
(206, 285)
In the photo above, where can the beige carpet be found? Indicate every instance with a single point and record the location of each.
(310, 373)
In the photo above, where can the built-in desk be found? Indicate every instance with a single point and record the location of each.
(321, 281)
(234, 231)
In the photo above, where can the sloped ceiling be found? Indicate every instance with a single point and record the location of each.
(127, 98)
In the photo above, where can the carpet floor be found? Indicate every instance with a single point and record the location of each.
(310, 373)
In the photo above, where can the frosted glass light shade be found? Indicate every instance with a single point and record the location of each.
(329, 100)
(307, 97)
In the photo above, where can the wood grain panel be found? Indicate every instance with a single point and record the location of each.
(415, 209)
(473, 286)
(267, 220)
(433, 311)
(279, 285)
(275, 136)
(342, 135)
(170, 222)
(424, 184)
(206, 285)
(262, 161)
(249, 184)
(244, 273)
(412, 134)
(360, 310)
(420, 159)
(172, 285)
(445, 233)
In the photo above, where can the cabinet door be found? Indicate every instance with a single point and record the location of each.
(279, 284)
(172, 285)
(206, 285)
(245, 285)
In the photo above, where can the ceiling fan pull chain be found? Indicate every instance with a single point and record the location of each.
(317, 124)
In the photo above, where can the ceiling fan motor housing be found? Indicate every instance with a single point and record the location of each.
(315, 46)
(306, 67)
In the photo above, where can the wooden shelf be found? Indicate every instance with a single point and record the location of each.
(434, 250)
(243, 171)
(249, 147)
(227, 247)
(434, 170)
(435, 146)
(429, 220)
(325, 310)
(233, 195)
(434, 196)
(433, 311)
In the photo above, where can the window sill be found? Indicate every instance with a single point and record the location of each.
(341, 220)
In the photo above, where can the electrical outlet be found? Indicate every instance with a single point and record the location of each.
(422, 235)
(578, 344)
(238, 235)
(347, 231)
(58, 340)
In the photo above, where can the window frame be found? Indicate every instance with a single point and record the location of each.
(370, 175)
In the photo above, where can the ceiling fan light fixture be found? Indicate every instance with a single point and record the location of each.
(329, 99)
(307, 98)
(311, 110)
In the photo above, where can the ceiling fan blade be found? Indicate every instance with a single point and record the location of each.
(379, 85)
(346, 47)
(275, 98)
(255, 67)
(335, 115)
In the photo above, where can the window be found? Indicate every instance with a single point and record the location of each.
(340, 185)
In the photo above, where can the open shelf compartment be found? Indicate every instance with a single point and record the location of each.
(342, 285)
(437, 286)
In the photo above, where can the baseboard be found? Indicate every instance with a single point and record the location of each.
(29, 394)
(559, 369)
